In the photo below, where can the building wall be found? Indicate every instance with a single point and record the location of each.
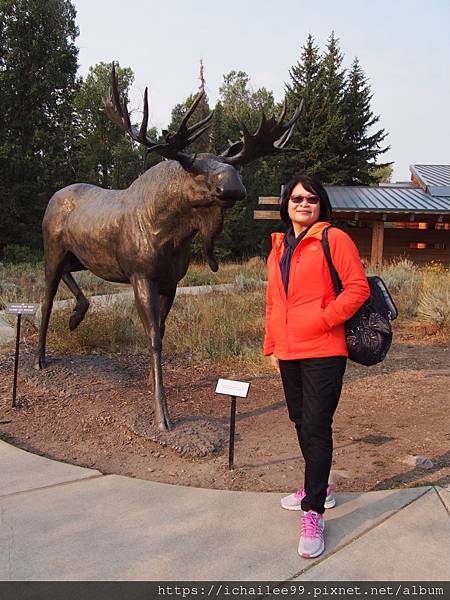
(398, 242)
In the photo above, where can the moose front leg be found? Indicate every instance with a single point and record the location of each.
(147, 302)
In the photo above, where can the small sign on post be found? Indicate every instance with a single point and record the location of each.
(232, 388)
(19, 309)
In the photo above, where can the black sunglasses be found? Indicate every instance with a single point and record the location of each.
(309, 199)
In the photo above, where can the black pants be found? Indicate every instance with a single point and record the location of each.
(312, 387)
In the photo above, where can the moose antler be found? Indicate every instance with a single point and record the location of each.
(174, 142)
(271, 137)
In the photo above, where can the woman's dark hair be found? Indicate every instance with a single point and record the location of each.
(311, 184)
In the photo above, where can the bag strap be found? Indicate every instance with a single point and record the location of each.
(337, 283)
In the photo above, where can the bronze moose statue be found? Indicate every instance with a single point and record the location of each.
(142, 235)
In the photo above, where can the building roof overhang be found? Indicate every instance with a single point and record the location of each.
(433, 179)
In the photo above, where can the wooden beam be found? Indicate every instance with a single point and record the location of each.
(267, 214)
(376, 256)
(269, 200)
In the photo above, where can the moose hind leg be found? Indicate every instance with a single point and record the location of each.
(82, 302)
(147, 304)
(53, 271)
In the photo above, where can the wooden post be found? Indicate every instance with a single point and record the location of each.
(376, 256)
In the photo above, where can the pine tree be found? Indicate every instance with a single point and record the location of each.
(333, 131)
(362, 146)
(333, 157)
(307, 84)
(219, 139)
(38, 64)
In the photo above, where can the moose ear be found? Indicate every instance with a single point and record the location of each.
(189, 162)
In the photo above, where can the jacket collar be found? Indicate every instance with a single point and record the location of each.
(314, 232)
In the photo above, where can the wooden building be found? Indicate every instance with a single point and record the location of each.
(410, 219)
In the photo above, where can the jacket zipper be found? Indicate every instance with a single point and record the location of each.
(294, 262)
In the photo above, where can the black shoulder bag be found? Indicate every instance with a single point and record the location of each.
(368, 332)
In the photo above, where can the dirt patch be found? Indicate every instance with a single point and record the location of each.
(96, 411)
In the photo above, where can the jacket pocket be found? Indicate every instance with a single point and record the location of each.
(307, 325)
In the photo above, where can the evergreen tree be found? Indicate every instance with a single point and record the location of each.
(333, 133)
(319, 81)
(333, 157)
(310, 136)
(219, 139)
(38, 64)
(363, 146)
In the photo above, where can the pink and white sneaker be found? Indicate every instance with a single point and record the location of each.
(294, 501)
(312, 540)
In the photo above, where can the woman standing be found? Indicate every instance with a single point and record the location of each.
(305, 338)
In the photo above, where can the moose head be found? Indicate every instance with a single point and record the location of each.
(214, 180)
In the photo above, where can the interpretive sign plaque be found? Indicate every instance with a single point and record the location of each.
(232, 388)
(22, 309)
(19, 309)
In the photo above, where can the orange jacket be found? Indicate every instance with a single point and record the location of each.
(308, 323)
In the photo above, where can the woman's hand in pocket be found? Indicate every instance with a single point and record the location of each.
(274, 362)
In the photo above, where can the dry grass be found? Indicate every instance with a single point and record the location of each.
(229, 327)
(404, 281)
(225, 327)
(218, 326)
(24, 282)
(433, 307)
(421, 293)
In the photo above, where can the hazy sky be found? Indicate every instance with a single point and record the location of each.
(403, 47)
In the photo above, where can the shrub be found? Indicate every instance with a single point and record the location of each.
(15, 253)
(244, 282)
(404, 281)
(434, 301)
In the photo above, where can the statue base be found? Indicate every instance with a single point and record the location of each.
(192, 437)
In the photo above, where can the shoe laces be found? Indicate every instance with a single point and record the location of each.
(311, 524)
(299, 494)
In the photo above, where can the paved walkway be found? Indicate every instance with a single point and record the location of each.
(61, 522)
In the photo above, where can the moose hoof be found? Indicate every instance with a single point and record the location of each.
(40, 363)
(74, 321)
(213, 264)
(165, 425)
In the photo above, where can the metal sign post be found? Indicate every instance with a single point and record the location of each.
(232, 389)
(19, 310)
(16, 360)
(232, 429)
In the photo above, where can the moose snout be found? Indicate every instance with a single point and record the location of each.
(229, 187)
(232, 194)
